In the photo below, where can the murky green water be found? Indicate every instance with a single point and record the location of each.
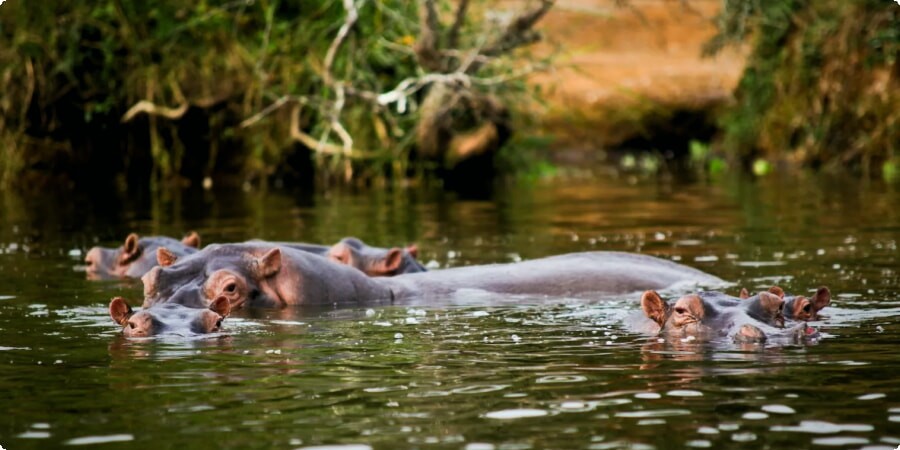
(540, 374)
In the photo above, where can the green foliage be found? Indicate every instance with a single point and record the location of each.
(820, 87)
(890, 170)
(73, 68)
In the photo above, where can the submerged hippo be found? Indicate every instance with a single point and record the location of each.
(798, 307)
(350, 251)
(169, 318)
(714, 314)
(136, 256)
(374, 261)
(267, 276)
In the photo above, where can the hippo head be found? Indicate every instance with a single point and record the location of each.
(766, 307)
(134, 258)
(799, 308)
(237, 274)
(802, 308)
(374, 261)
(687, 317)
(169, 318)
(693, 317)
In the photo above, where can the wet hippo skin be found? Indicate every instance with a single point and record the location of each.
(262, 275)
(136, 256)
(374, 261)
(715, 314)
(350, 251)
(169, 318)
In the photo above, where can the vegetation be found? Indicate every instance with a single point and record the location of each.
(821, 87)
(246, 90)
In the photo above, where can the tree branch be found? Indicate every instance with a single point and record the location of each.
(519, 32)
(321, 147)
(427, 48)
(148, 107)
(453, 33)
(349, 21)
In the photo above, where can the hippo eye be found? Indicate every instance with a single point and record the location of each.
(230, 287)
(680, 310)
(807, 307)
(218, 324)
(130, 324)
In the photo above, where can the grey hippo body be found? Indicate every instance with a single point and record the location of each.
(136, 256)
(260, 275)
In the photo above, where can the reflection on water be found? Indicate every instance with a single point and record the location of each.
(474, 372)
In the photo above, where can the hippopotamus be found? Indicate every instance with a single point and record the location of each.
(798, 307)
(714, 314)
(350, 251)
(169, 318)
(136, 256)
(374, 261)
(261, 275)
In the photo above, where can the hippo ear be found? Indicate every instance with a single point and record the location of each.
(191, 240)
(390, 263)
(340, 253)
(821, 299)
(744, 294)
(221, 306)
(655, 307)
(269, 264)
(165, 257)
(777, 291)
(131, 249)
(120, 311)
(771, 302)
(413, 250)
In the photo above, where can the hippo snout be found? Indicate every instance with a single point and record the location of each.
(749, 334)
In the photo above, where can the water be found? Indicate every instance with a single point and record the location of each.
(526, 373)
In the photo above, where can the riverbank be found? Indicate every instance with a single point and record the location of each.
(631, 75)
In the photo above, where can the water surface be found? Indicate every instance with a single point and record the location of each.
(470, 373)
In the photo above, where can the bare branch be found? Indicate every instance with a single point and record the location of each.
(322, 147)
(428, 46)
(252, 120)
(519, 31)
(453, 33)
(349, 21)
(148, 107)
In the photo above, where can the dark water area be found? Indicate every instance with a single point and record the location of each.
(529, 373)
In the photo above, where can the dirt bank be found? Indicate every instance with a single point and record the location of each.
(621, 73)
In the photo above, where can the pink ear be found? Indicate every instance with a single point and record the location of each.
(165, 257)
(413, 250)
(130, 250)
(821, 299)
(744, 294)
(221, 306)
(340, 253)
(191, 240)
(120, 311)
(269, 264)
(777, 291)
(391, 261)
(654, 307)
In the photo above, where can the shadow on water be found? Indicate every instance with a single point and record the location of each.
(516, 373)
